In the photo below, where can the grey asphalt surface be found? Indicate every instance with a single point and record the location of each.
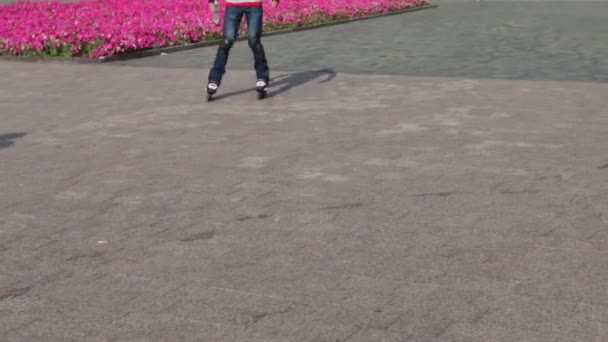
(559, 41)
(370, 205)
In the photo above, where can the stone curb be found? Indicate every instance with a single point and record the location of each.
(172, 49)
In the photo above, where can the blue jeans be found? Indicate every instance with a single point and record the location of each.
(232, 20)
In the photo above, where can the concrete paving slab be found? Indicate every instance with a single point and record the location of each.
(342, 208)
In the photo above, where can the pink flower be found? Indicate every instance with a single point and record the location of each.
(98, 28)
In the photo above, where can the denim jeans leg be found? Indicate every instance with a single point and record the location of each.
(232, 19)
(254, 16)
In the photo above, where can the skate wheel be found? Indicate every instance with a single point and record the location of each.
(261, 95)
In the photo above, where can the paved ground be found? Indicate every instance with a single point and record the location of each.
(502, 40)
(345, 207)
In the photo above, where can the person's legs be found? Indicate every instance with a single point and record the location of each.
(232, 19)
(254, 16)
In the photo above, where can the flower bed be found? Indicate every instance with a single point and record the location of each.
(108, 27)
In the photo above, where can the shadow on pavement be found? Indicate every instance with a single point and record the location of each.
(285, 82)
(7, 140)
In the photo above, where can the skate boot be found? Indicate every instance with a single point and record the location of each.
(211, 90)
(260, 87)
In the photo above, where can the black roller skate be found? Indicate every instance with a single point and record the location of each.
(211, 90)
(260, 87)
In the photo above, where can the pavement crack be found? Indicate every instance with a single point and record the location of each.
(249, 217)
(435, 194)
(522, 192)
(453, 252)
(200, 236)
(480, 315)
(85, 256)
(556, 178)
(13, 293)
(261, 315)
(445, 328)
(351, 335)
(344, 206)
